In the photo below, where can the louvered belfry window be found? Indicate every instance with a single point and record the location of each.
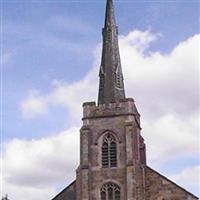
(109, 151)
(110, 191)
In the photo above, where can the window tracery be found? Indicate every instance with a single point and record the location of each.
(110, 191)
(109, 151)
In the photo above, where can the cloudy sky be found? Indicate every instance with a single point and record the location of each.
(49, 62)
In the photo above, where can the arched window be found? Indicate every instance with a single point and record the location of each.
(109, 151)
(110, 191)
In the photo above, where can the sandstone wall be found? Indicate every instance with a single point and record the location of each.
(159, 187)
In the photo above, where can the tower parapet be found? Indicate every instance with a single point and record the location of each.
(123, 107)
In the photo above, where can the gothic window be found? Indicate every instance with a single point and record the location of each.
(110, 191)
(109, 151)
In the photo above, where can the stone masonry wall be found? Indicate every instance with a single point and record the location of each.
(122, 121)
(160, 188)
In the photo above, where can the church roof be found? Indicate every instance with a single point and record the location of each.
(67, 193)
(149, 169)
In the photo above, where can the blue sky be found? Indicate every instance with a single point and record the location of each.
(44, 41)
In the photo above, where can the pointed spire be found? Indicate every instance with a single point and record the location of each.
(110, 16)
(111, 86)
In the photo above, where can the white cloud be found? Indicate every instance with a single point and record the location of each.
(168, 82)
(33, 105)
(37, 165)
(166, 91)
(139, 40)
(188, 177)
(170, 137)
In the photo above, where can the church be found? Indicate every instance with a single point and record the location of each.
(113, 153)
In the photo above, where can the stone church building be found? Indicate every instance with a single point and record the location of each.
(113, 153)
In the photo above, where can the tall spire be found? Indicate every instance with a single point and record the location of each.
(111, 86)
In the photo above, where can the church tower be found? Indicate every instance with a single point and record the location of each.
(112, 149)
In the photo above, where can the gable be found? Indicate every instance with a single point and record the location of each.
(161, 188)
(69, 193)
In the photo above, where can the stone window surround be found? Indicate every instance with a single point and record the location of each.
(99, 144)
(111, 181)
